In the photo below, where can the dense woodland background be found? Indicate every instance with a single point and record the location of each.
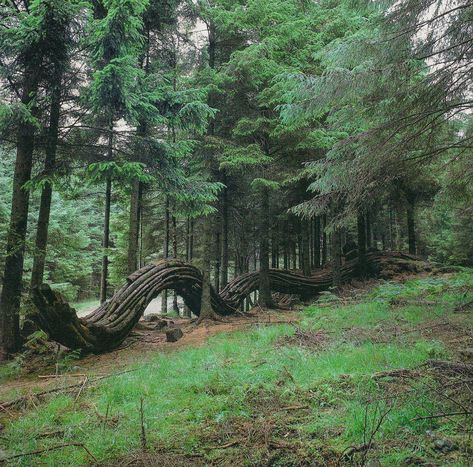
(239, 135)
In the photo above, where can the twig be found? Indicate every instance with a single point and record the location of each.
(295, 407)
(441, 415)
(81, 388)
(52, 448)
(143, 433)
(227, 445)
(79, 375)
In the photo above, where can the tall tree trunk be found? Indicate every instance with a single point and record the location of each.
(134, 226)
(317, 242)
(336, 258)
(217, 259)
(106, 240)
(224, 267)
(369, 232)
(206, 310)
(361, 229)
(294, 253)
(175, 306)
(411, 228)
(47, 191)
(106, 224)
(164, 295)
(191, 240)
(305, 225)
(265, 298)
(187, 311)
(324, 240)
(10, 340)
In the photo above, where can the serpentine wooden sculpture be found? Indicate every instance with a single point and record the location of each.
(105, 328)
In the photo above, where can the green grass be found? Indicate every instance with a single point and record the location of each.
(197, 391)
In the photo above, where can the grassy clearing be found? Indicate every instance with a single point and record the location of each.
(269, 396)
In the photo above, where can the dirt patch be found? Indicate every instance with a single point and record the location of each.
(452, 334)
(162, 458)
(381, 334)
(306, 338)
(269, 435)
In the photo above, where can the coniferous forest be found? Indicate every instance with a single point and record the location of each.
(236, 232)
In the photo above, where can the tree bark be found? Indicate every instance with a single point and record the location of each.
(164, 296)
(305, 225)
(47, 191)
(336, 258)
(187, 311)
(265, 298)
(217, 259)
(361, 228)
(134, 226)
(224, 267)
(317, 242)
(10, 340)
(369, 231)
(106, 240)
(411, 228)
(206, 310)
(175, 306)
(324, 240)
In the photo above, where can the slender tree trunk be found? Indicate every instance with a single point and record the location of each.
(106, 224)
(369, 233)
(265, 298)
(317, 242)
(299, 250)
(411, 228)
(294, 254)
(10, 340)
(217, 260)
(286, 256)
(191, 240)
(206, 310)
(324, 240)
(188, 235)
(305, 234)
(187, 312)
(47, 191)
(164, 296)
(106, 240)
(134, 226)
(175, 306)
(361, 228)
(224, 270)
(336, 258)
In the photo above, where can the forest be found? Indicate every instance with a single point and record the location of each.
(236, 232)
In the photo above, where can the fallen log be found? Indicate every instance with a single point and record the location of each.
(106, 327)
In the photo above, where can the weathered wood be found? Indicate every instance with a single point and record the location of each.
(106, 327)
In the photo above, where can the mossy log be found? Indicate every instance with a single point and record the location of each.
(106, 327)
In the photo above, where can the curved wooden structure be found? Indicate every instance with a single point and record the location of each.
(107, 326)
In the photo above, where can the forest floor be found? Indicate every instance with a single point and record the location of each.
(381, 375)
